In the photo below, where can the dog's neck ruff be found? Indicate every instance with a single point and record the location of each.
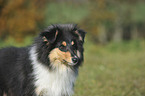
(51, 83)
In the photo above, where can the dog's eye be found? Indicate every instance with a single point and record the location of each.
(74, 46)
(62, 47)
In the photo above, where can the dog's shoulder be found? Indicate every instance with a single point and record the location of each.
(10, 55)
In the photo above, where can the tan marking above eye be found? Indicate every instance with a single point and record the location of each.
(64, 43)
(72, 43)
(45, 40)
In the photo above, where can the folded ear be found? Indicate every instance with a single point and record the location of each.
(49, 35)
(81, 34)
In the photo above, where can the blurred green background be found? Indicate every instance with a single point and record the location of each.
(115, 42)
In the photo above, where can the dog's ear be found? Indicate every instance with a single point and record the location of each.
(49, 35)
(81, 34)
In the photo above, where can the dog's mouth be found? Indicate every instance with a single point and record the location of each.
(68, 63)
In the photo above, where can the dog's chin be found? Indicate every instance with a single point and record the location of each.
(72, 64)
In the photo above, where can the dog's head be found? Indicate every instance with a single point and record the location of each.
(63, 45)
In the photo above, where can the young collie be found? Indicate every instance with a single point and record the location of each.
(48, 67)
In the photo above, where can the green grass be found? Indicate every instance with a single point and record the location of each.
(116, 69)
(112, 70)
(11, 42)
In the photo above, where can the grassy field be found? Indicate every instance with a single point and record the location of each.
(116, 69)
(113, 70)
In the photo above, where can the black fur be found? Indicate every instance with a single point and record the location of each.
(15, 66)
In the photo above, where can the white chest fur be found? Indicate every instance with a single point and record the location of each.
(52, 83)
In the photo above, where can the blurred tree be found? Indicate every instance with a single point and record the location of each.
(65, 12)
(105, 20)
(116, 20)
(138, 20)
(97, 20)
(20, 17)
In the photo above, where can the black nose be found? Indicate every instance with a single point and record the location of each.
(75, 60)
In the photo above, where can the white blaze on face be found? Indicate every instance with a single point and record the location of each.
(78, 54)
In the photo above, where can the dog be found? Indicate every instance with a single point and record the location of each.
(48, 67)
